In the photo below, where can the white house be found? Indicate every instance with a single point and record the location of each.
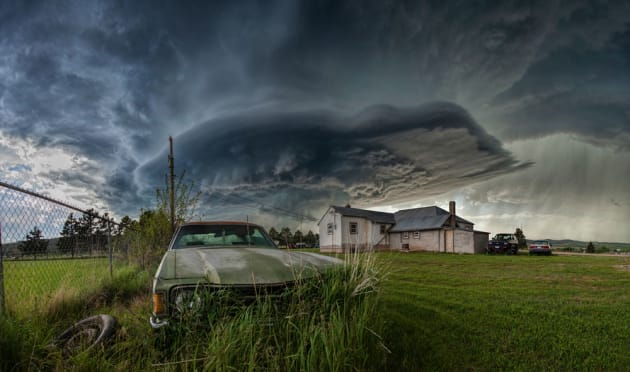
(346, 229)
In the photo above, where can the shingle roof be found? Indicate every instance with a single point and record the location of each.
(374, 216)
(427, 218)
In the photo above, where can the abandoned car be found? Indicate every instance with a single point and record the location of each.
(209, 257)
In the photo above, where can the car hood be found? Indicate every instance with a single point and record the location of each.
(242, 266)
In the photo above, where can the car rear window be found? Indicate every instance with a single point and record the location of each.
(221, 236)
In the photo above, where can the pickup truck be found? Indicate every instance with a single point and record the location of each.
(503, 243)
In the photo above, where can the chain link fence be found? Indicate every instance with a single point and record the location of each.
(48, 247)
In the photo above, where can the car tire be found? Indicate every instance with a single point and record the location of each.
(85, 334)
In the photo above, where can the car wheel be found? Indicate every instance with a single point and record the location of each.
(86, 334)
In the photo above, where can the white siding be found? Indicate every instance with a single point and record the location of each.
(464, 241)
(332, 242)
(430, 241)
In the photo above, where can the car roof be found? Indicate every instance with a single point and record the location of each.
(240, 223)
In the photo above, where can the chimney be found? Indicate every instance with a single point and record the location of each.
(451, 209)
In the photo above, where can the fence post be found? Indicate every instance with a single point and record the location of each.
(109, 244)
(1, 274)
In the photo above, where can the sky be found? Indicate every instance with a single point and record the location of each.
(518, 111)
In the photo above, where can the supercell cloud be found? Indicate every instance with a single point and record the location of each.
(383, 154)
(300, 104)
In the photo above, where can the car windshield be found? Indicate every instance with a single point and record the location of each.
(503, 237)
(221, 236)
(541, 242)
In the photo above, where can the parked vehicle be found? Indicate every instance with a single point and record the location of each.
(207, 258)
(539, 247)
(503, 243)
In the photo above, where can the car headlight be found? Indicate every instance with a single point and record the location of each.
(187, 301)
(158, 303)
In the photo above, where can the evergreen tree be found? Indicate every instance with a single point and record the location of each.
(68, 239)
(309, 239)
(34, 244)
(590, 248)
(520, 236)
(287, 236)
(298, 237)
(274, 235)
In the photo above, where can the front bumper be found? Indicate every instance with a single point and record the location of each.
(540, 251)
(157, 323)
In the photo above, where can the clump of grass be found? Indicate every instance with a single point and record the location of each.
(327, 323)
(73, 302)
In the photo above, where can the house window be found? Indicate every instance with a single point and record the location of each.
(330, 229)
(416, 234)
(383, 229)
(405, 235)
(353, 227)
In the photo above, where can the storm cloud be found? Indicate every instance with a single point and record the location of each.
(299, 104)
(379, 155)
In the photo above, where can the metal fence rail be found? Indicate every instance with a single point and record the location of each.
(48, 246)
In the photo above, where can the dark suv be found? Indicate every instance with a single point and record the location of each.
(503, 243)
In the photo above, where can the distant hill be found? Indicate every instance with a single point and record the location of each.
(577, 245)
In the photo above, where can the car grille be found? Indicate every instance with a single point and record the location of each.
(202, 297)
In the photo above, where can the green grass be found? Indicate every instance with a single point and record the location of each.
(30, 283)
(327, 324)
(440, 312)
(461, 312)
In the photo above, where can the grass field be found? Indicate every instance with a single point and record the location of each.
(30, 283)
(462, 312)
(440, 312)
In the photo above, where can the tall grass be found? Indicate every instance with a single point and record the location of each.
(328, 323)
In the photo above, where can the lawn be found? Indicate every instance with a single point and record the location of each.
(30, 283)
(441, 312)
(464, 312)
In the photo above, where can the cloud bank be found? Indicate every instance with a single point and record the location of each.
(330, 98)
(382, 154)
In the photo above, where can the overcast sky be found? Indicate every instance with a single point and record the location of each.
(519, 112)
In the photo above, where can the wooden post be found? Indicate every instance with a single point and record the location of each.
(171, 164)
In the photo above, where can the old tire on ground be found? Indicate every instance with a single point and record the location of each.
(85, 334)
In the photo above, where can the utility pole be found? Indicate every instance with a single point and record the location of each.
(171, 165)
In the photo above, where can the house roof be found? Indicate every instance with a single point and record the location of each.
(426, 218)
(374, 216)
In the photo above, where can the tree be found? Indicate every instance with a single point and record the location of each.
(67, 241)
(125, 223)
(286, 235)
(309, 239)
(298, 237)
(522, 241)
(590, 248)
(34, 244)
(274, 235)
(185, 200)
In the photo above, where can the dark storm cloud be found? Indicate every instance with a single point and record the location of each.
(574, 90)
(309, 159)
(110, 80)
